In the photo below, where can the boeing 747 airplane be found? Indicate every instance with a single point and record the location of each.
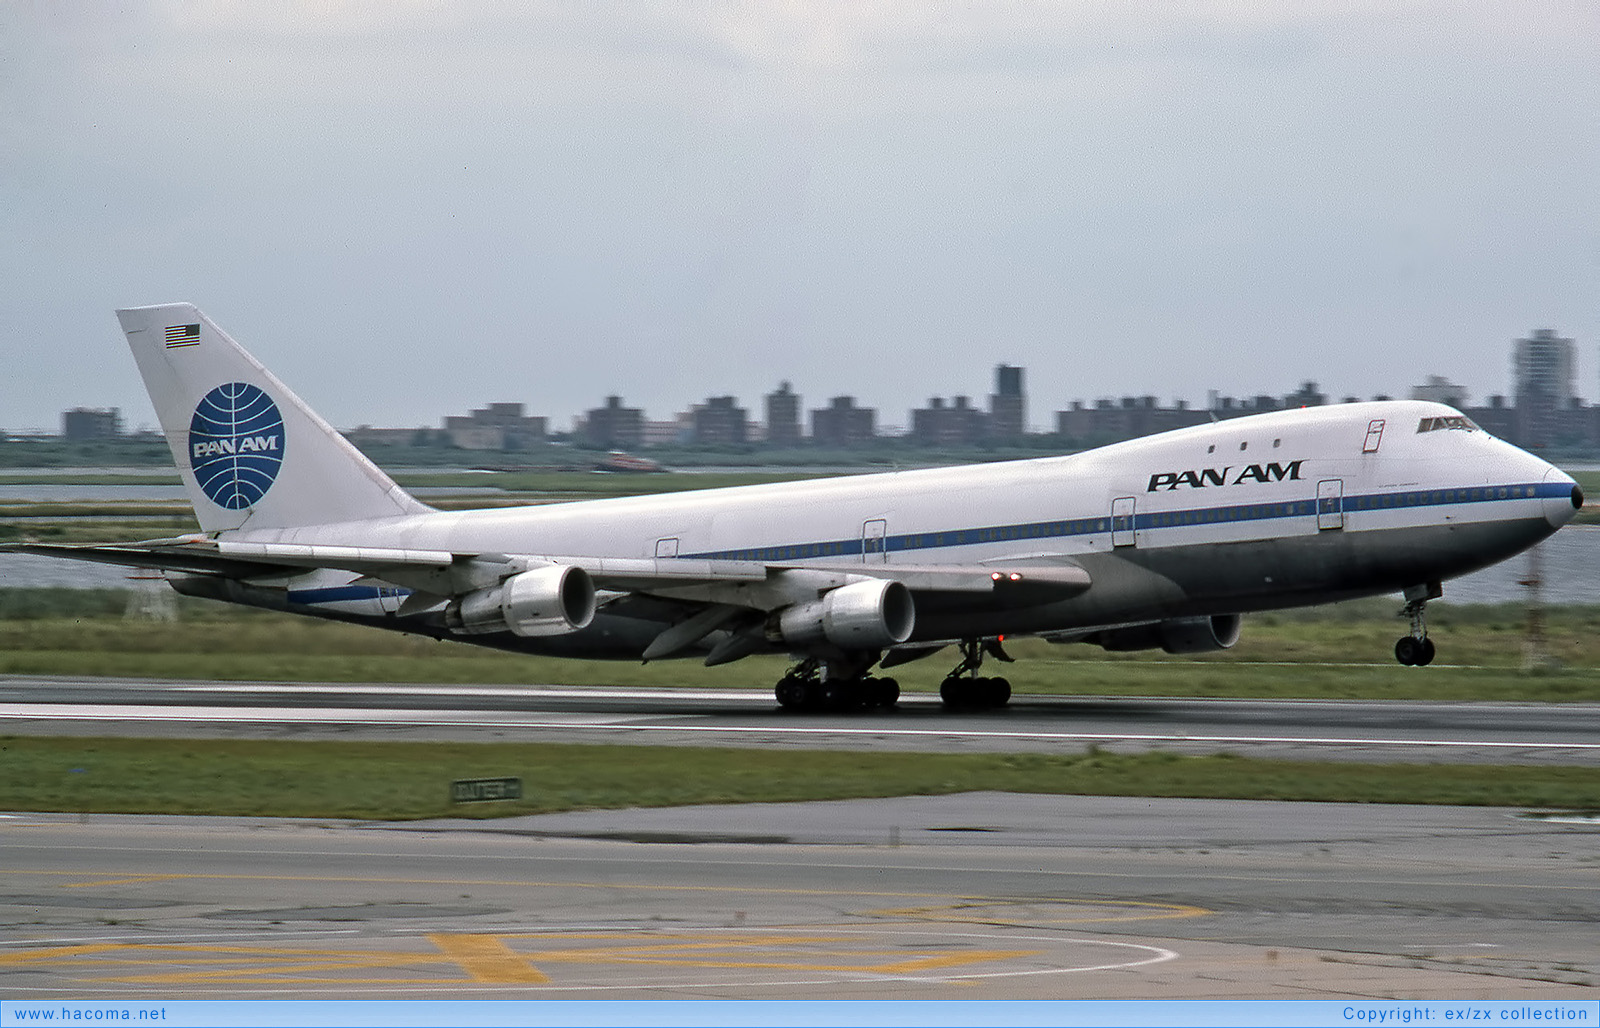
(1158, 542)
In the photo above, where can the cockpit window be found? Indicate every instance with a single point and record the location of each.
(1440, 424)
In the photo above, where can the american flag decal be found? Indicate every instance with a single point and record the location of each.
(182, 335)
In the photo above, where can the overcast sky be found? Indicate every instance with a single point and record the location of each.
(408, 209)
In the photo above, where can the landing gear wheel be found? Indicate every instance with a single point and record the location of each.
(1416, 649)
(962, 689)
(884, 692)
(839, 695)
(800, 694)
(791, 693)
(974, 693)
(800, 688)
(1414, 652)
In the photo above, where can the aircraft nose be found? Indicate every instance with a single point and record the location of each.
(1562, 497)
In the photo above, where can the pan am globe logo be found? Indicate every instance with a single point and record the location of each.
(236, 445)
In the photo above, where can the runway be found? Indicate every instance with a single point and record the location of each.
(969, 897)
(955, 897)
(1382, 731)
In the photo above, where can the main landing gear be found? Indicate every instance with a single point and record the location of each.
(818, 685)
(964, 689)
(1416, 649)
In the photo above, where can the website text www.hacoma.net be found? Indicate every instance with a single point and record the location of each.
(91, 1014)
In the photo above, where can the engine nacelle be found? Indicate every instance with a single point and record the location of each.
(862, 616)
(550, 600)
(1175, 635)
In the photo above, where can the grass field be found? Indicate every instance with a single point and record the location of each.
(375, 780)
(1337, 652)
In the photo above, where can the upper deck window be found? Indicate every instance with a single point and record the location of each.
(1440, 424)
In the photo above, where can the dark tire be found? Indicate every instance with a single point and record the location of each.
(999, 692)
(1408, 650)
(885, 693)
(1425, 657)
(790, 693)
(954, 692)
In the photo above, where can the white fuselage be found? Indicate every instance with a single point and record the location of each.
(1273, 510)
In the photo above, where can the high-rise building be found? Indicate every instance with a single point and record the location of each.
(85, 423)
(1308, 395)
(1439, 389)
(1008, 410)
(614, 426)
(499, 426)
(720, 420)
(783, 417)
(842, 423)
(948, 424)
(1542, 368)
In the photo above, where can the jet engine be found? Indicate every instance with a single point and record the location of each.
(550, 600)
(862, 616)
(1175, 635)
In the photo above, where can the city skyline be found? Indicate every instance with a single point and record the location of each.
(559, 423)
(1542, 371)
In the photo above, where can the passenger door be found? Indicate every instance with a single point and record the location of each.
(1330, 504)
(1374, 436)
(874, 544)
(1122, 521)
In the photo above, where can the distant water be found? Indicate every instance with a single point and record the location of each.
(79, 493)
(1571, 571)
(1571, 560)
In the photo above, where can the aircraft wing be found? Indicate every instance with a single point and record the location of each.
(443, 573)
(159, 555)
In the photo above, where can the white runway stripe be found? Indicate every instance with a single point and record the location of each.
(652, 723)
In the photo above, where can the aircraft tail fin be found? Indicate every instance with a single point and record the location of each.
(250, 451)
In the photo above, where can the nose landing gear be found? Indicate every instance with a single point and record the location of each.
(1416, 649)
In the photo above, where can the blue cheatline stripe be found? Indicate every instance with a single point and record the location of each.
(343, 594)
(1188, 517)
